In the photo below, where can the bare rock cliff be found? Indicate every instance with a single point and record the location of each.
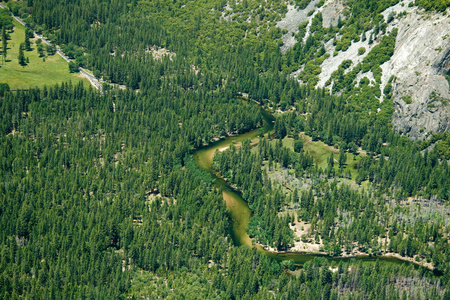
(420, 62)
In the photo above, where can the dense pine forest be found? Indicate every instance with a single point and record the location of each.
(100, 196)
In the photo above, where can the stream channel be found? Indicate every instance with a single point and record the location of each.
(241, 213)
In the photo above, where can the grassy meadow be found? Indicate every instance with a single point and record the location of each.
(321, 153)
(38, 72)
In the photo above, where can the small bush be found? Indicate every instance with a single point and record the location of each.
(73, 67)
(4, 87)
(407, 99)
(302, 4)
(298, 146)
(391, 17)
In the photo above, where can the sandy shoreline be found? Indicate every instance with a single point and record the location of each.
(309, 250)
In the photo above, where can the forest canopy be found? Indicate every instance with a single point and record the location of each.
(101, 196)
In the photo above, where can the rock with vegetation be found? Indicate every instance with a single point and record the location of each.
(294, 17)
(420, 62)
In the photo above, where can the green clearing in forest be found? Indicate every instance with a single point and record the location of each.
(38, 72)
(321, 153)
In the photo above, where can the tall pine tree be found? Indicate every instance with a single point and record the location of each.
(21, 57)
(4, 43)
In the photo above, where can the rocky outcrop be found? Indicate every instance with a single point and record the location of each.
(421, 60)
(331, 12)
(294, 17)
(332, 63)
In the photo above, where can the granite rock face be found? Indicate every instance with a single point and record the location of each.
(294, 17)
(331, 12)
(421, 59)
(420, 62)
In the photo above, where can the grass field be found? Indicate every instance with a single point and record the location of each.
(321, 153)
(37, 73)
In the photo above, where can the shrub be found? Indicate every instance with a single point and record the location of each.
(387, 90)
(73, 67)
(302, 4)
(4, 87)
(346, 64)
(390, 17)
(407, 99)
(298, 146)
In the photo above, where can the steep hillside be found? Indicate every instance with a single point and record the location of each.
(412, 73)
(420, 62)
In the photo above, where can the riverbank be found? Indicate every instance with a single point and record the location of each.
(310, 247)
(303, 250)
(312, 250)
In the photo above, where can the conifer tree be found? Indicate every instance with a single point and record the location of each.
(27, 39)
(21, 57)
(342, 157)
(4, 43)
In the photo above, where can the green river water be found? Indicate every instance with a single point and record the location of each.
(241, 213)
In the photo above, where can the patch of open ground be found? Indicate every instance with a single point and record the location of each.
(321, 153)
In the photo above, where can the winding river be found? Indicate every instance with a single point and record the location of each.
(241, 213)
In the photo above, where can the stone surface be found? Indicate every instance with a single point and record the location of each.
(291, 21)
(332, 63)
(331, 12)
(420, 61)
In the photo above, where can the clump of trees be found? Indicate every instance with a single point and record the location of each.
(73, 67)
(5, 24)
(439, 5)
(76, 137)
